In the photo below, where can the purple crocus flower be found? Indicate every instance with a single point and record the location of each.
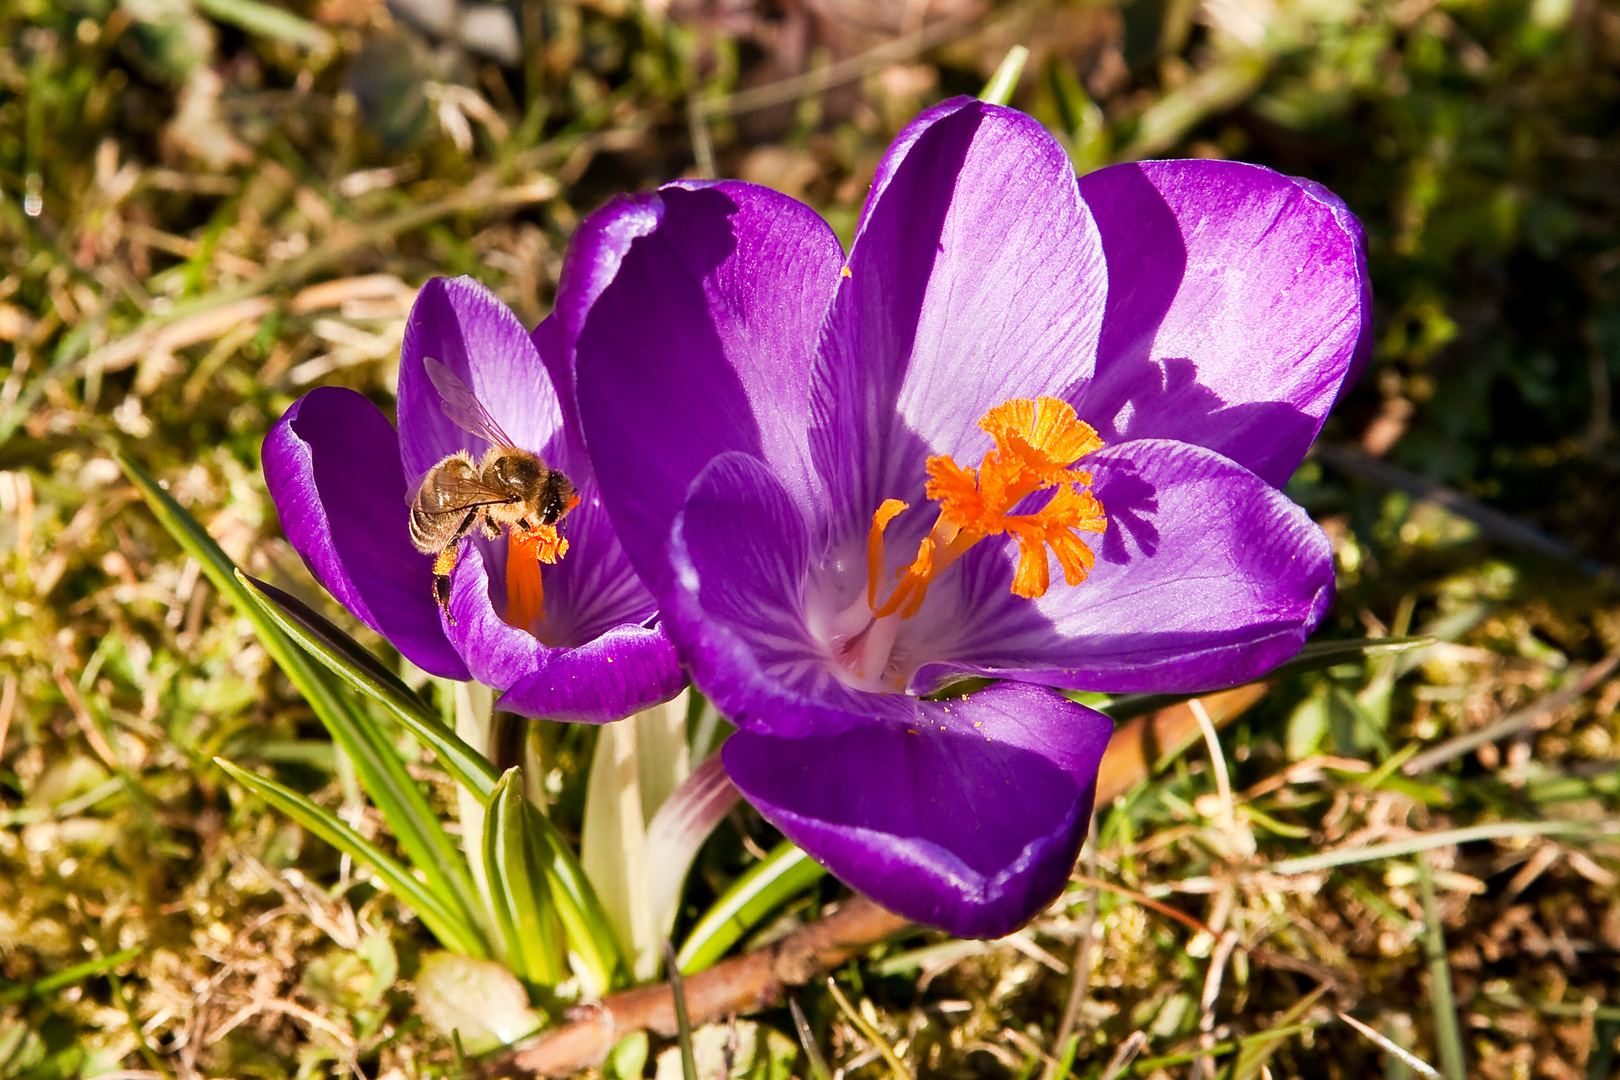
(574, 640)
(846, 478)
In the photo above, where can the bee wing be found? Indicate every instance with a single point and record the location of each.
(453, 493)
(464, 410)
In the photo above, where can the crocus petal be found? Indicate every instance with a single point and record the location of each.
(454, 322)
(333, 468)
(569, 450)
(617, 671)
(740, 551)
(1238, 306)
(976, 276)
(966, 813)
(1206, 577)
(701, 344)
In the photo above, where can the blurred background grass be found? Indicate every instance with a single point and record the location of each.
(210, 206)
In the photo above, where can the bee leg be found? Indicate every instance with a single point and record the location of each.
(491, 527)
(445, 562)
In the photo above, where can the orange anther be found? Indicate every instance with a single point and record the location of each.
(874, 546)
(1038, 442)
(541, 542)
(913, 587)
(1043, 436)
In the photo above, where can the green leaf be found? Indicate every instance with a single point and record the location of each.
(357, 667)
(267, 21)
(1308, 724)
(1089, 142)
(1355, 729)
(585, 924)
(769, 883)
(375, 759)
(447, 924)
(515, 863)
(999, 90)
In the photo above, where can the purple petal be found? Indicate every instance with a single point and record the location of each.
(568, 452)
(619, 670)
(700, 344)
(333, 469)
(1206, 577)
(740, 552)
(1238, 307)
(966, 813)
(976, 276)
(464, 326)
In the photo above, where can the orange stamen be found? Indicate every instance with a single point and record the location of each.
(541, 542)
(913, 585)
(1042, 435)
(1037, 443)
(874, 546)
(526, 549)
(1052, 527)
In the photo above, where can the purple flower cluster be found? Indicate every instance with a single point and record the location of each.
(845, 480)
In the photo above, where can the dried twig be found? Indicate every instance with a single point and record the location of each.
(742, 984)
(1515, 723)
(1081, 971)
(814, 81)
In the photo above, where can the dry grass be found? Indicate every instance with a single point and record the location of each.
(201, 222)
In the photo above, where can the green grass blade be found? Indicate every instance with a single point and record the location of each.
(514, 863)
(1423, 842)
(67, 977)
(377, 762)
(1315, 656)
(769, 883)
(683, 1021)
(346, 659)
(1447, 1032)
(999, 90)
(807, 1039)
(268, 21)
(1066, 1063)
(585, 924)
(447, 924)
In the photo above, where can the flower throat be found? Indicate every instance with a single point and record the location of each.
(1038, 441)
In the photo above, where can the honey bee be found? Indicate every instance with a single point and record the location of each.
(509, 486)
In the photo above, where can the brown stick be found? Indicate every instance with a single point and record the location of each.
(742, 984)
(760, 979)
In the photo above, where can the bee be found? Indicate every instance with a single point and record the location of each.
(509, 486)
